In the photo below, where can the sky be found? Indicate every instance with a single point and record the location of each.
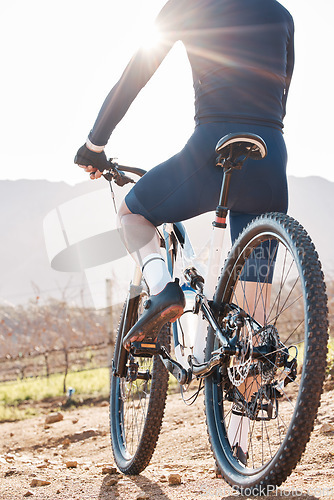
(60, 59)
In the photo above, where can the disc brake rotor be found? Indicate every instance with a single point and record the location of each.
(238, 372)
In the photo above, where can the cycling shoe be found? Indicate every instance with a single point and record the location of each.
(166, 306)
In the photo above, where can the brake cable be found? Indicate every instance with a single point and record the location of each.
(119, 178)
(112, 195)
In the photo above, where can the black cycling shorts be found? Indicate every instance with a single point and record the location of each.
(188, 184)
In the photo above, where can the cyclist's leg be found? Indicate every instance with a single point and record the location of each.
(252, 294)
(167, 300)
(258, 272)
(167, 193)
(259, 188)
(170, 192)
(142, 242)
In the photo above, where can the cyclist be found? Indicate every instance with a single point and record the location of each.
(241, 54)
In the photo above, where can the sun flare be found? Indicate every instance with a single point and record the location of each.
(149, 37)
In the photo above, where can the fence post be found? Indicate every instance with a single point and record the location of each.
(66, 353)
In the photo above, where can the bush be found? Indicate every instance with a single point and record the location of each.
(330, 357)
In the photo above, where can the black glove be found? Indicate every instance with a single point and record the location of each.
(87, 157)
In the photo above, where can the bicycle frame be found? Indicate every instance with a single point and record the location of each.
(210, 279)
(191, 358)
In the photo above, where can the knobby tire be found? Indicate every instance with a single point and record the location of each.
(282, 455)
(136, 414)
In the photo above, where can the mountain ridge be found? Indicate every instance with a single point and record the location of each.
(25, 203)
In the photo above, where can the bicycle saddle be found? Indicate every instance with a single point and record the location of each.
(232, 146)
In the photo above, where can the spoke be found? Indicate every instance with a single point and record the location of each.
(265, 282)
(135, 399)
(286, 426)
(286, 300)
(283, 310)
(227, 414)
(268, 439)
(283, 281)
(301, 322)
(251, 442)
(278, 416)
(244, 302)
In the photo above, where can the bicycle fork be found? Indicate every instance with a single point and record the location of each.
(119, 364)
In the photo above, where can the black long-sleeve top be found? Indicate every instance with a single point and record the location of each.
(241, 53)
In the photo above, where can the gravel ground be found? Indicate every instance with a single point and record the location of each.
(73, 456)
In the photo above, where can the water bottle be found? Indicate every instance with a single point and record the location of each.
(188, 320)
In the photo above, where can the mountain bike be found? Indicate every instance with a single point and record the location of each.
(254, 335)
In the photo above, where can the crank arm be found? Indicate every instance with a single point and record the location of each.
(182, 376)
(151, 349)
(204, 370)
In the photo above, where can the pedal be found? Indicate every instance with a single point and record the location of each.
(145, 348)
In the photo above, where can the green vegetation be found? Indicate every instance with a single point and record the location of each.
(12, 413)
(330, 356)
(86, 383)
(91, 383)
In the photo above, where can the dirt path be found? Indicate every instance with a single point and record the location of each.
(29, 451)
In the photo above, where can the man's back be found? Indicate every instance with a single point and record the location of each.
(241, 54)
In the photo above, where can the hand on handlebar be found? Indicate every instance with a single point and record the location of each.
(91, 162)
(94, 172)
(96, 163)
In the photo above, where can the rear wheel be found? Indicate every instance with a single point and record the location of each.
(137, 403)
(261, 403)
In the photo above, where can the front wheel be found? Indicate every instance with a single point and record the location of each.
(137, 401)
(261, 403)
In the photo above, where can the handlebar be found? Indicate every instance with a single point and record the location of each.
(133, 170)
(116, 173)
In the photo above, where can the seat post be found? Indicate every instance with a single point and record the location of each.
(233, 151)
(222, 210)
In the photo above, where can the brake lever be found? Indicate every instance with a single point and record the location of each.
(121, 179)
(117, 175)
(108, 176)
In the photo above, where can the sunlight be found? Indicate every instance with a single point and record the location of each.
(149, 37)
